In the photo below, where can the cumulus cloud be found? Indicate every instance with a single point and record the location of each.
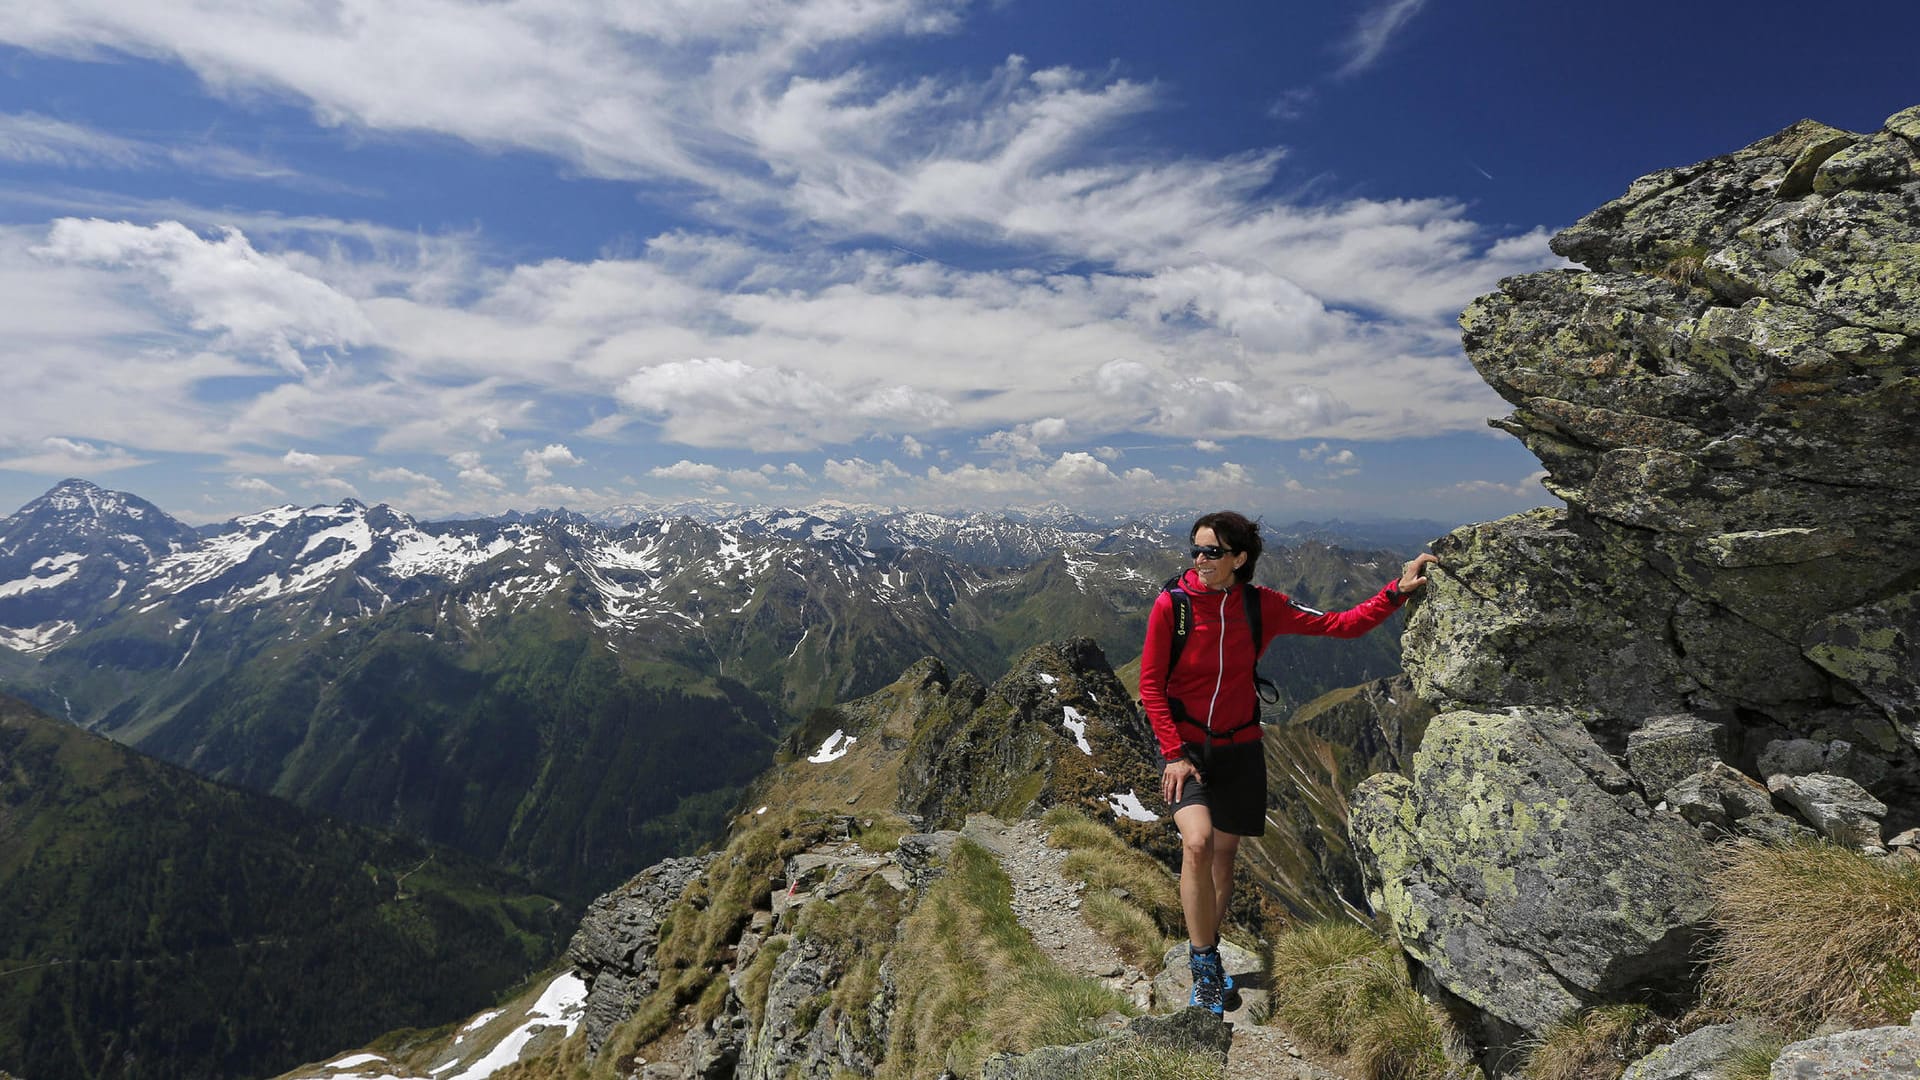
(1187, 405)
(687, 470)
(860, 474)
(335, 485)
(398, 475)
(1024, 440)
(258, 303)
(540, 463)
(473, 472)
(254, 485)
(1337, 462)
(1201, 306)
(1225, 475)
(1075, 469)
(423, 491)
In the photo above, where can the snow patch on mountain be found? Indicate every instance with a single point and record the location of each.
(33, 639)
(834, 748)
(1126, 804)
(1077, 724)
(63, 574)
(448, 555)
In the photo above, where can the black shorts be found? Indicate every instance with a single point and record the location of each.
(1232, 784)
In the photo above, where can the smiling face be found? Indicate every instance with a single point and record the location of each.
(1216, 573)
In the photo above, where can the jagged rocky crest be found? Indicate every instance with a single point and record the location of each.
(1727, 400)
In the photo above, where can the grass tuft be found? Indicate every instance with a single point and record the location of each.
(1753, 1060)
(1342, 989)
(1135, 934)
(1812, 933)
(1596, 1044)
(1098, 856)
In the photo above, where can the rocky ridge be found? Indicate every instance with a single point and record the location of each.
(824, 889)
(1717, 635)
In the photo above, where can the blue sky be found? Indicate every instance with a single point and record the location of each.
(470, 257)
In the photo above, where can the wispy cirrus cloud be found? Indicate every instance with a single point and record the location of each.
(32, 139)
(1374, 31)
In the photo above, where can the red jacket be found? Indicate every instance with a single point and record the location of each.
(1214, 680)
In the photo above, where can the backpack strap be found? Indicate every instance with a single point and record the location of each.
(1182, 620)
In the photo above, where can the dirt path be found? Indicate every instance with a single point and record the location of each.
(1048, 906)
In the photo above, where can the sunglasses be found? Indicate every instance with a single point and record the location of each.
(1209, 552)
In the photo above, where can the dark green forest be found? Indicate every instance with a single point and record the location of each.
(161, 925)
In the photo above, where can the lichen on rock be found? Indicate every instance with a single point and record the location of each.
(1521, 867)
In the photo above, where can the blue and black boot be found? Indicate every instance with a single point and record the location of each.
(1210, 982)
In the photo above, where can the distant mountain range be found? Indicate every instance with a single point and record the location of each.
(561, 698)
(569, 698)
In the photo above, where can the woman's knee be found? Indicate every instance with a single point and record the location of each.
(1197, 843)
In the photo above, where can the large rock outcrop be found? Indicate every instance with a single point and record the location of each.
(1523, 870)
(1727, 399)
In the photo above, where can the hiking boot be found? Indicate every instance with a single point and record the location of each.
(1209, 994)
(1211, 963)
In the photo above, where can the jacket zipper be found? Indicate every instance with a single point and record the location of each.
(1220, 663)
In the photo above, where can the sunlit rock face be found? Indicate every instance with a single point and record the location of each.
(1727, 399)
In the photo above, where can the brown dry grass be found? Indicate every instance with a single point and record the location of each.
(1342, 989)
(1596, 1044)
(1813, 932)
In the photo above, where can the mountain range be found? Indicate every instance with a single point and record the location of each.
(568, 698)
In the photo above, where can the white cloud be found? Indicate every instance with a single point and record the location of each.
(860, 474)
(473, 472)
(1524, 488)
(399, 476)
(41, 140)
(540, 463)
(260, 304)
(687, 470)
(336, 485)
(57, 456)
(1024, 440)
(784, 311)
(1225, 475)
(255, 486)
(718, 402)
(1375, 30)
(1079, 470)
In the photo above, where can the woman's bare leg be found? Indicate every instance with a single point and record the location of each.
(1225, 846)
(1199, 899)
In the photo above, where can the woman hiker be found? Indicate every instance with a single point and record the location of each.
(1197, 683)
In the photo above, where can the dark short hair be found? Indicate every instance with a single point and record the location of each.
(1236, 533)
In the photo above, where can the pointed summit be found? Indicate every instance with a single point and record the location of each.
(66, 554)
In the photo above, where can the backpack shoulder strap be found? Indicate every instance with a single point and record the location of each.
(1263, 687)
(1182, 620)
(1250, 605)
